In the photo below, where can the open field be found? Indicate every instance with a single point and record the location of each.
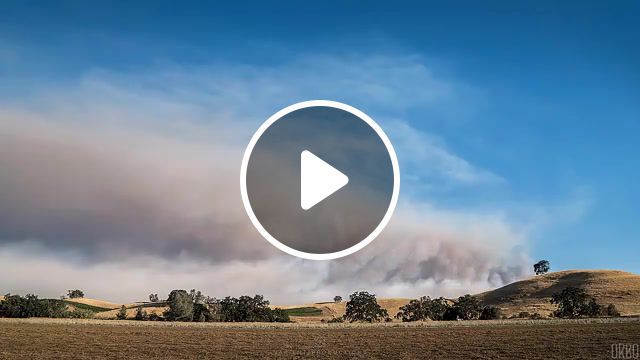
(88, 339)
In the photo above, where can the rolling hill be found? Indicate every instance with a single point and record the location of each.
(533, 294)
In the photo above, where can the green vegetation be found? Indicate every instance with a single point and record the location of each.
(541, 267)
(304, 311)
(74, 294)
(363, 306)
(575, 302)
(247, 308)
(16, 306)
(140, 314)
(464, 308)
(122, 313)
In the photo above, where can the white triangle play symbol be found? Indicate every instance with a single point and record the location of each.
(318, 180)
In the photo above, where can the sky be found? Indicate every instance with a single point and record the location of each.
(122, 127)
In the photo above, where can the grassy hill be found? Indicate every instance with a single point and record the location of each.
(533, 295)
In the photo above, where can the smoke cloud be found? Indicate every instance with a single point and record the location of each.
(118, 180)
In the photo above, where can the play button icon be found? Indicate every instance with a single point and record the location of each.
(319, 180)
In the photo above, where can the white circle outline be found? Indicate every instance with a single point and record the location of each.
(394, 164)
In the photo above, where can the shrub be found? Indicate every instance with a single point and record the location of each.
(536, 316)
(73, 294)
(278, 315)
(363, 306)
(140, 314)
(80, 314)
(523, 315)
(611, 310)
(490, 312)
(154, 298)
(122, 313)
(337, 299)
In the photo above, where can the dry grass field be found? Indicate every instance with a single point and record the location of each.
(90, 339)
(533, 295)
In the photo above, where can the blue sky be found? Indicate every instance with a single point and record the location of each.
(545, 104)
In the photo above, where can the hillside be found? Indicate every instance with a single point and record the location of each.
(94, 302)
(331, 309)
(533, 295)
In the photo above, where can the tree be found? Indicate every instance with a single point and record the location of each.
(574, 302)
(467, 307)
(245, 308)
(140, 314)
(541, 267)
(363, 306)
(16, 306)
(490, 312)
(154, 298)
(422, 309)
(180, 306)
(73, 294)
(122, 313)
(337, 299)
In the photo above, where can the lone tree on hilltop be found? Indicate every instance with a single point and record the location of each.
(73, 294)
(363, 306)
(154, 298)
(337, 299)
(541, 267)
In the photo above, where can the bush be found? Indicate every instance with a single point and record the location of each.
(122, 313)
(363, 306)
(140, 314)
(490, 312)
(611, 310)
(278, 315)
(536, 316)
(154, 298)
(73, 294)
(523, 315)
(80, 314)
(337, 299)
